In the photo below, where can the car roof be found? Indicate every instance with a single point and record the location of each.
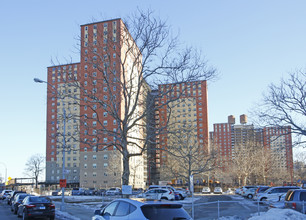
(142, 201)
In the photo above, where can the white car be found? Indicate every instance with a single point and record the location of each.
(182, 194)
(158, 194)
(218, 190)
(206, 190)
(136, 209)
(249, 193)
(113, 191)
(229, 191)
(4, 194)
(274, 193)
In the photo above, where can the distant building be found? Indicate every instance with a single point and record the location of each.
(227, 136)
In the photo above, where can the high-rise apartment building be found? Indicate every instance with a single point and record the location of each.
(228, 138)
(186, 110)
(88, 97)
(279, 141)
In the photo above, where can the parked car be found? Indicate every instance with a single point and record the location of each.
(296, 199)
(238, 191)
(122, 209)
(218, 190)
(274, 193)
(101, 192)
(4, 194)
(277, 202)
(229, 191)
(244, 188)
(187, 192)
(259, 190)
(36, 206)
(17, 201)
(12, 196)
(158, 194)
(75, 192)
(249, 193)
(113, 191)
(182, 194)
(206, 190)
(89, 192)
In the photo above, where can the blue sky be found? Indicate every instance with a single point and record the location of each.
(251, 43)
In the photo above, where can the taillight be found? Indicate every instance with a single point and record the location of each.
(52, 206)
(170, 192)
(294, 205)
(30, 206)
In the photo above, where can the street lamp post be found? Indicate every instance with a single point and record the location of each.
(62, 207)
(5, 171)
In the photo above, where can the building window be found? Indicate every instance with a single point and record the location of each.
(94, 165)
(94, 157)
(105, 156)
(85, 165)
(105, 165)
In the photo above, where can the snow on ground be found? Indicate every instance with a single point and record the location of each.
(64, 216)
(277, 214)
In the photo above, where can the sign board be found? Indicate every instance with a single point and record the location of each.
(63, 183)
(126, 190)
(191, 183)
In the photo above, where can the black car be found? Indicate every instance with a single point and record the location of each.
(17, 201)
(36, 207)
(12, 196)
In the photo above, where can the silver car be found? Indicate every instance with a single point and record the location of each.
(296, 199)
(139, 209)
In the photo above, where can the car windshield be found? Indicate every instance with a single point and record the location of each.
(263, 189)
(39, 200)
(165, 212)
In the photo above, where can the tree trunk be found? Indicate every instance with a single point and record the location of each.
(126, 168)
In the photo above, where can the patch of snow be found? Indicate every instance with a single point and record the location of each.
(64, 216)
(277, 214)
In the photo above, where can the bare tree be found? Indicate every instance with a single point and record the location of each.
(300, 166)
(186, 156)
(285, 105)
(34, 167)
(244, 162)
(123, 79)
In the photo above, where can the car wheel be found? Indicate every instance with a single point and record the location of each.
(263, 199)
(182, 197)
(165, 198)
(250, 196)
